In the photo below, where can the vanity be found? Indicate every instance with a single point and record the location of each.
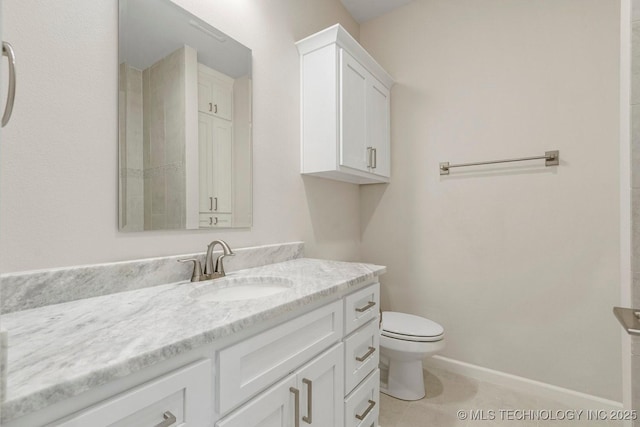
(290, 343)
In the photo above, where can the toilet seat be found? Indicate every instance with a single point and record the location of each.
(407, 327)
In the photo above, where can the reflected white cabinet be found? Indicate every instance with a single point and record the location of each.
(215, 148)
(215, 93)
(345, 110)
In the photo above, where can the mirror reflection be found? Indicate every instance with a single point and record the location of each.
(184, 121)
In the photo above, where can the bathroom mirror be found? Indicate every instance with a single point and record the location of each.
(184, 121)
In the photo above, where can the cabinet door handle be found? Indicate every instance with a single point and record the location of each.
(369, 152)
(296, 404)
(215, 108)
(375, 158)
(366, 412)
(216, 223)
(210, 106)
(169, 419)
(366, 307)
(210, 203)
(366, 355)
(309, 418)
(210, 220)
(216, 207)
(7, 50)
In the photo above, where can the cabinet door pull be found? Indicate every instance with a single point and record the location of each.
(366, 307)
(216, 207)
(210, 203)
(369, 151)
(210, 106)
(169, 420)
(216, 223)
(215, 108)
(210, 220)
(366, 355)
(7, 50)
(296, 404)
(366, 412)
(309, 418)
(375, 158)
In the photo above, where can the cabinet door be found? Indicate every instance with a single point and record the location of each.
(205, 94)
(353, 111)
(206, 158)
(321, 385)
(215, 93)
(184, 395)
(222, 165)
(215, 138)
(273, 408)
(378, 136)
(222, 99)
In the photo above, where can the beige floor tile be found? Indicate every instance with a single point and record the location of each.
(448, 393)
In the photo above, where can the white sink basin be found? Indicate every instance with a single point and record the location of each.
(241, 288)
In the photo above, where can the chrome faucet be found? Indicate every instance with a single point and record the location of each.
(210, 271)
(218, 270)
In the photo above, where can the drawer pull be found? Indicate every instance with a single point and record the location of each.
(296, 404)
(366, 412)
(309, 418)
(366, 307)
(169, 419)
(366, 355)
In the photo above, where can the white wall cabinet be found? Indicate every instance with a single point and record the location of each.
(215, 146)
(215, 93)
(345, 103)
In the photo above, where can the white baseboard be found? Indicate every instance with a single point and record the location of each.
(569, 398)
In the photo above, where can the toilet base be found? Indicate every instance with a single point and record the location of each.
(404, 380)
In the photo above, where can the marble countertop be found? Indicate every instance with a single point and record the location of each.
(59, 351)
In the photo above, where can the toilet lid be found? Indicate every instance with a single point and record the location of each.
(410, 327)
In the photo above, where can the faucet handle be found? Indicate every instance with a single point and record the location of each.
(197, 269)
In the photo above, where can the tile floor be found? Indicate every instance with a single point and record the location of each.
(447, 393)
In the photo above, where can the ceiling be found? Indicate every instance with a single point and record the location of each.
(152, 29)
(364, 10)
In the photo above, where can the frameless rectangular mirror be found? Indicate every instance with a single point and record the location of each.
(184, 121)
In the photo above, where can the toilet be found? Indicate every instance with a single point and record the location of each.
(405, 340)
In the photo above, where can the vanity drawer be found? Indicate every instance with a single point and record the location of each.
(363, 403)
(252, 365)
(215, 220)
(360, 307)
(184, 394)
(361, 355)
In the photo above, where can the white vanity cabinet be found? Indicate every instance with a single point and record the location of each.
(313, 395)
(317, 368)
(361, 355)
(345, 110)
(181, 398)
(338, 388)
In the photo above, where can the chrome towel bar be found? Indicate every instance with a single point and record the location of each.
(629, 318)
(551, 158)
(7, 50)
